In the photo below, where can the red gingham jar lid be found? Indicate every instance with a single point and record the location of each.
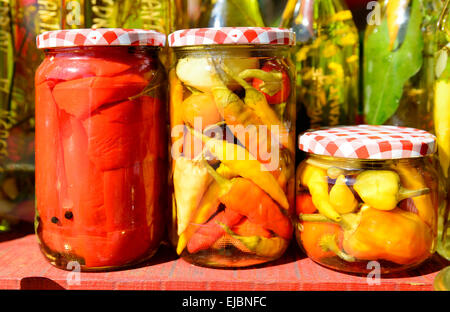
(368, 142)
(99, 37)
(231, 35)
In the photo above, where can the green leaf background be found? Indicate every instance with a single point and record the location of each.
(386, 71)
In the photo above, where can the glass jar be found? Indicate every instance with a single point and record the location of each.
(232, 114)
(442, 123)
(367, 197)
(101, 147)
(399, 50)
(230, 13)
(327, 62)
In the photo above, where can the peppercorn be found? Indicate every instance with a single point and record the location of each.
(68, 215)
(55, 220)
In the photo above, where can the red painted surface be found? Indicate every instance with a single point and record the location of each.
(23, 267)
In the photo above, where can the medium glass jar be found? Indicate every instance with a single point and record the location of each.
(367, 197)
(327, 62)
(399, 50)
(101, 147)
(232, 112)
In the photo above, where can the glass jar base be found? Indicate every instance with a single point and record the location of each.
(226, 258)
(365, 267)
(68, 261)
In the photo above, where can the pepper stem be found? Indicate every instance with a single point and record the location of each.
(315, 217)
(405, 193)
(223, 182)
(272, 81)
(328, 243)
(348, 222)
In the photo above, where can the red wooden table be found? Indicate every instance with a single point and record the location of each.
(23, 267)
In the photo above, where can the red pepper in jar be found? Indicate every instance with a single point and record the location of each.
(207, 234)
(83, 96)
(246, 198)
(284, 88)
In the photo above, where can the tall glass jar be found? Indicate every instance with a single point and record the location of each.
(367, 197)
(101, 147)
(442, 122)
(399, 51)
(327, 61)
(232, 114)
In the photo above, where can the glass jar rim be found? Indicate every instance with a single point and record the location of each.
(101, 37)
(232, 36)
(368, 142)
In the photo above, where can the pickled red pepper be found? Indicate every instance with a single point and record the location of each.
(100, 145)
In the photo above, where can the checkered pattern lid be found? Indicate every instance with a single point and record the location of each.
(369, 142)
(99, 37)
(231, 35)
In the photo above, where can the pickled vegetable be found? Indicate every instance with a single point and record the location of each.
(237, 114)
(100, 145)
(385, 214)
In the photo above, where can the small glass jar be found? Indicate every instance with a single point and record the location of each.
(101, 147)
(232, 112)
(367, 197)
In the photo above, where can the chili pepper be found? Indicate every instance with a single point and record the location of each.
(258, 103)
(242, 163)
(261, 246)
(201, 106)
(206, 208)
(93, 92)
(381, 189)
(317, 182)
(190, 179)
(341, 197)
(304, 204)
(277, 91)
(226, 172)
(247, 199)
(199, 72)
(209, 233)
(208, 205)
(411, 178)
(244, 121)
(269, 82)
(374, 234)
(388, 235)
(311, 236)
(247, 228)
